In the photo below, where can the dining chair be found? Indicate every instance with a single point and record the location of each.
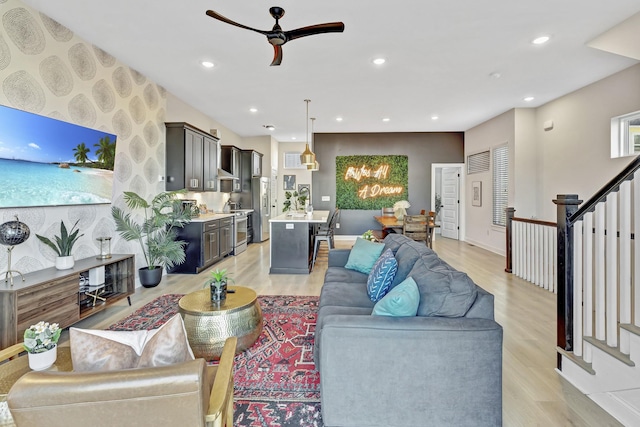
(416, 227)
(325, 233)
(431, 227)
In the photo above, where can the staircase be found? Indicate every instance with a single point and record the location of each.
(598, 293)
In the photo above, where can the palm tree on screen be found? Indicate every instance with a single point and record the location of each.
(80, 153)
(106, 152)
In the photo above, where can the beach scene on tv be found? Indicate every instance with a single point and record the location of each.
(44, 161)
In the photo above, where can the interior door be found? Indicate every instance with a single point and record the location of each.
(450, 210)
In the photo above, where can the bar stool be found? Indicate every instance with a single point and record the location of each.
(325, 233)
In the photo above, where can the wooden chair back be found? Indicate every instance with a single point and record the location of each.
(415, 227)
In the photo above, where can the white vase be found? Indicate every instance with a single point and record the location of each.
(64, 262)
(42, 361)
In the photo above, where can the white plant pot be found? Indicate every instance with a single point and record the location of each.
(42, 361)
(64, 262)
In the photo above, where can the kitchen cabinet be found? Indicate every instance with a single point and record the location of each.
(226, 236)
(230, 160)
(192, 158)
(55, 296)
(206, 244)
(256, 164)
(250, 167)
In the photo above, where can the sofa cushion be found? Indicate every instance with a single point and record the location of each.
(363, 255)
(407, 255)
(99, 350)
(341, 274)
(443, 291)
(345, 294)
(403, 300)
(393, 241)
(381, 276)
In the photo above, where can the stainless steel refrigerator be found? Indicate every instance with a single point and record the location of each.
(261, 195)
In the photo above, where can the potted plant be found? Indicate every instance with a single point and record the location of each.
(40, 342)
(218, 284)
(156, 231)
(63, 245)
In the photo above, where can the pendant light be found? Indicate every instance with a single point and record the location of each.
(307, 158)
(316, 165)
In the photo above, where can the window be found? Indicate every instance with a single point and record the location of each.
(500, 184)
(478, 162)
(625, 135)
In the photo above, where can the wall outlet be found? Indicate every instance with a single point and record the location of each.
(337, 225)
(326, 198)
(160, 178)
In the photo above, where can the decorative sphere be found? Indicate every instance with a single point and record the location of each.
(14, 233)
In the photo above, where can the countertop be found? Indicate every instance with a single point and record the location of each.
(317, 217)
(210, 216)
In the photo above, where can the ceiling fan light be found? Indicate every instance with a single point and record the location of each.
(307, 157)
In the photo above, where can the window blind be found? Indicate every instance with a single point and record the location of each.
(478, 162)
(500, 184)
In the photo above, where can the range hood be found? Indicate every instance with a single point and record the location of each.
(226, 176)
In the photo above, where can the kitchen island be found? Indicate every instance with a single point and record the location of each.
(292, 241)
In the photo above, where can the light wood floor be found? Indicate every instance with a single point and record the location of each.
(533, 393)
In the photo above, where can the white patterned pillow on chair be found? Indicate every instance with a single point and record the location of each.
(381, 276)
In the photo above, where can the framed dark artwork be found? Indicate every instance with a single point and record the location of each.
(289, 182)
(303, 187)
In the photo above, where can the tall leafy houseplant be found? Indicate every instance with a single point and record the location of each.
(156, 231)
(63, 245)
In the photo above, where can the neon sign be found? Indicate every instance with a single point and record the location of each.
(366, 191)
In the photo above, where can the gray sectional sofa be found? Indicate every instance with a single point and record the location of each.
(442, 367)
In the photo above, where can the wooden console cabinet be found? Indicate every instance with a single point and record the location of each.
(54, 295)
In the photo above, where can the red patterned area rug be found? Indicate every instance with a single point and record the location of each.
(276, 384)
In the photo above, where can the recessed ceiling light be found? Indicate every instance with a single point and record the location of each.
(338, 119)
(386, 119)
(540, 40)
(495, 75)
(207, 64)
(379, 61)
(434, 117)
(253, 110)
(270, 127)
(293, 138)
(528, 98)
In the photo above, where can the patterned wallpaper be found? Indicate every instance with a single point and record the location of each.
(48, 70)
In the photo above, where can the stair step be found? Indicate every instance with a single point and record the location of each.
(612, 351)
(631, 328)
(577, 360)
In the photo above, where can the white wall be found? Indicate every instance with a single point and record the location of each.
(302, 176)
(486, 136)
(571, 158)
(575, 155)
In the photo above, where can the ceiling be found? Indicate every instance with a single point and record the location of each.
(464, 61)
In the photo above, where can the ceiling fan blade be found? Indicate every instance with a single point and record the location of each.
(329, 27)
(277, 55)
(219, 17)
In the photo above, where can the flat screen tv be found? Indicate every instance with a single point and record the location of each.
(48, 162)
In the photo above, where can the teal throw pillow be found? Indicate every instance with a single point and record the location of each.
(401, 301)
(363, 255)
(381, 276)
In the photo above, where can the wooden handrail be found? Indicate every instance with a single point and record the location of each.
(535, 221)
(613, 185)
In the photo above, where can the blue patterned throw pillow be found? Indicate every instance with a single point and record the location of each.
(381, 276)
(403, 300)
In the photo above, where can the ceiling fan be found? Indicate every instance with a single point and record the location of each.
(277, 37)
